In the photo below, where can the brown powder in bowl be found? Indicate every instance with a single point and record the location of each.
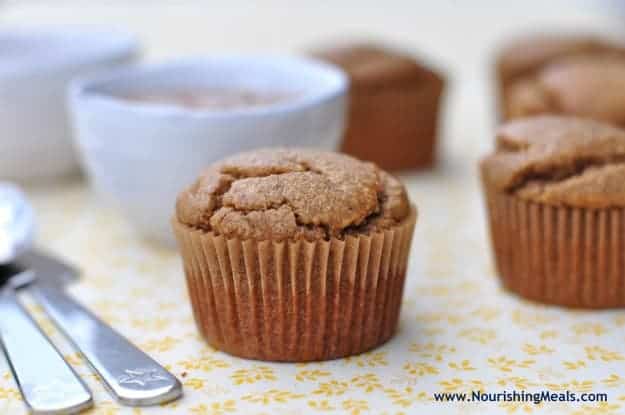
(217, 99)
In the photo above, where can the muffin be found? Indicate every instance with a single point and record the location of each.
(562, 75)
(394, 106)
(555, 192)
(295, 255)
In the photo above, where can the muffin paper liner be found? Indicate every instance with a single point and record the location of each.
(296, 300)
(395, 127)
(559, 255)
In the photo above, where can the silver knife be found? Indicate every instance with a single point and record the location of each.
(131, 376)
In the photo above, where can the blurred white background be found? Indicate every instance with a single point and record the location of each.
(454, 33)
(456, 36)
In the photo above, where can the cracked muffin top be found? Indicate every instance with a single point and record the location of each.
(586, 86)
(532, 52)
(294, 194)
(562, 161)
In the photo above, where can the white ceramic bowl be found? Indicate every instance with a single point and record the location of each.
(35, 68)
(143, 154)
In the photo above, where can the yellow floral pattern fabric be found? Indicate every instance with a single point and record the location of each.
(459, 331)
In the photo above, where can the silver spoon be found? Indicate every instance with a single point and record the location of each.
(47, 383)
(132, 377)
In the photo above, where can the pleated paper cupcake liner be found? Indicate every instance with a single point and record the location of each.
(394, 127)
(559, 255)
(297, 300)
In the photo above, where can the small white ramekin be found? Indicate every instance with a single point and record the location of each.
(141, 155)
(35, 67)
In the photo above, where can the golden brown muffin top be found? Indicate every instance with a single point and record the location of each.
(532, 52)
(372, 66)
(563, 161)
(584, 85)
(279, 194)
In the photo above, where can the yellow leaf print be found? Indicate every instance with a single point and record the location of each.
(323, 405)
(599, 353)
(432, 350)
(478, 335)
(439, 266)
(93, 376)
(521, 407)
(9, 394)
(529, 319)
(170, 404)
(486, 314)
(216, 408)
(34, 309)
(537, 349)
(272, 396)
(45, 325)
(162, 345)
(253, 375)
(460, 385)
(151, 324)
(463, 365)
(613, 381)
(574, 385)
(595, 329)
(548, 334)
(74, 359)
(574, 365)
(355, 406)
(466, 287)
(445, 290)
(506, 365)
(420, 369)
(603, 408)
(194, 383)
(368, 382)
(407, 396)
(502, 363)
(332, 388)
(313, 375)
(371, 359)
(432, 331)
(517, 382)
(435, 290)
(449, 318)
(204, 363)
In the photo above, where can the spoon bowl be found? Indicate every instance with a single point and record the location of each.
(16, 223)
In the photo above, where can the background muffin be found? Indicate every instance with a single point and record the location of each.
(555, 189)
(295, 255)
(394, 106)
(560, 74)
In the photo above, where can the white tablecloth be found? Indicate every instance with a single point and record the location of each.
(459, 331)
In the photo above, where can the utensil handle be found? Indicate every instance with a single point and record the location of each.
(130, 375)
(47, 383)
